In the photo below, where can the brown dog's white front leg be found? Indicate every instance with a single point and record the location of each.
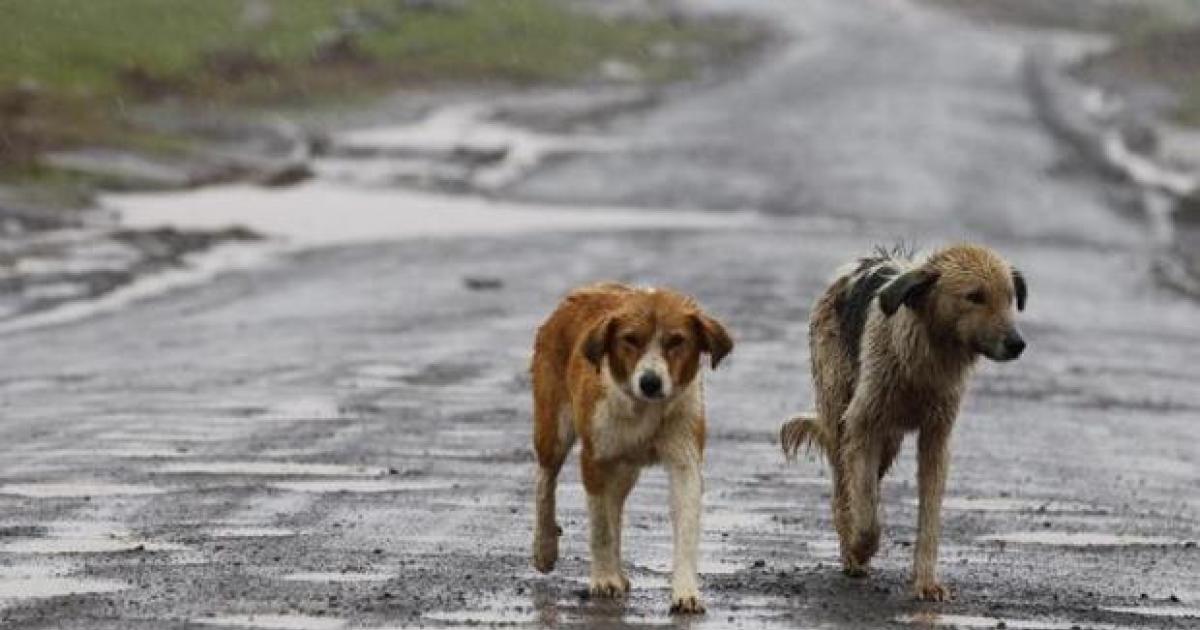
(932, 464)
(623, 479)
(606, 579)
(686, 495)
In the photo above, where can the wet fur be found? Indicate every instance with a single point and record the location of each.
(894, 339)
(585, 369)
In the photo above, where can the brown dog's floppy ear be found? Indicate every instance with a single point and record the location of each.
(713, 338)
(907, 289)
(597, 341)
(1020, 288)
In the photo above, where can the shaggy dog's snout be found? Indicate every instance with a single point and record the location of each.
(1014, 344)
(1006, 348)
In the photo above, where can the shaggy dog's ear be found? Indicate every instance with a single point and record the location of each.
(1018, 279)
(907, 289)
(714, 339)
(598, 339)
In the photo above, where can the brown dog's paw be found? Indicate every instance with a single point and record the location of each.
(545, 553)
(931, 591)
(609, 586)
(687, 604)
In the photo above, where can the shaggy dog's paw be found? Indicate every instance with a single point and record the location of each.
(687, 604)
(931, 591)
(866, 545)
(855, 570)
(614, 585)
(856, 561)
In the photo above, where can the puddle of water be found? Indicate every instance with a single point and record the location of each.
(199, 269)
(37, 586)
(552, 612)
(81, 537)
(120, 452)
(443, 453)
(469, 128)
(825, 548)
(33, 384)
(710, 565)
(360, 486)
(300, 214)
(322, 577)
(391, 171)
(273, 469)
(1157, 611)
(84, 545)
(971, 621)
(251, 532)
(383, 370)
(725, 521)
(157, 437)
(273, 622)
(376, 376)
(473, 435)
(786, 480)
(77, 489)
(44, 567)
(999, 504)
(1078, 539)
(304, 408)
(484, 617)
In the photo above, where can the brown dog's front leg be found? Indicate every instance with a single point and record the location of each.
(933, 459)
(598, 480)
(687, 487)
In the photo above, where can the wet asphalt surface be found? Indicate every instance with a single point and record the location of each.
(342, 440)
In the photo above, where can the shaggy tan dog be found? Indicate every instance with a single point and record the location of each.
(619, 367)
(894, 339)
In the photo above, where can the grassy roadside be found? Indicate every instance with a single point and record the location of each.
(1168, 55)
(1157, 42)
(71, 72)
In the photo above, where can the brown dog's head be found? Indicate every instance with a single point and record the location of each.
(967, 295)
(654, 341)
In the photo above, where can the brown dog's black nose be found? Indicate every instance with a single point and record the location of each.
(650, 384)
(1014, 345)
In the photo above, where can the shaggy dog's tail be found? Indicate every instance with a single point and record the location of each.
(804, 430)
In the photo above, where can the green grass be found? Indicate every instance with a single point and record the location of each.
(1160, 52)
(71, 69)
(1188, 112)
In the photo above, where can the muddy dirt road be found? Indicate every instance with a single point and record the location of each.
(341, 439)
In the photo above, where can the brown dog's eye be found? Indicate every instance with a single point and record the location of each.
(630, 339)
(976, 297)
(673, 341)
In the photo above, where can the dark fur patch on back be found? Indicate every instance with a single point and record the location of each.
(854, 303)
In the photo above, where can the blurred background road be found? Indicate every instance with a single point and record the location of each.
(323, 422)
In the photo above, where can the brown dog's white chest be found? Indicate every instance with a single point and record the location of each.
(624, 428)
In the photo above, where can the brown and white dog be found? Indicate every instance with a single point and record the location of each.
(618, 367)
(893, 342)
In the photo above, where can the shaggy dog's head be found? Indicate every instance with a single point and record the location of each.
(653, 343)
(968, 295)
